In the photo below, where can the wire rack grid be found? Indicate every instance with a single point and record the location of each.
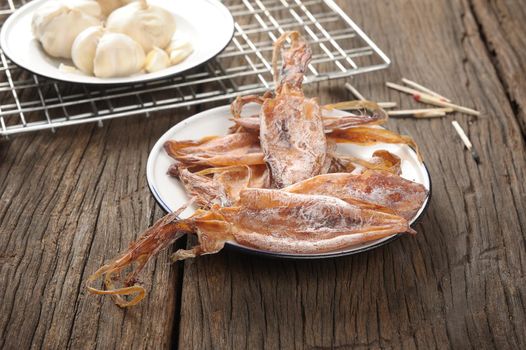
(340, 49)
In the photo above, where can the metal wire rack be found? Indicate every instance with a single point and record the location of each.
(340, 49)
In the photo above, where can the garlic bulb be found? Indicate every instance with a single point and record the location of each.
(107, 55)
(84, 48)
(57, 24)
(156, 60)
(149, 25)
(179, 50)
(108, 6)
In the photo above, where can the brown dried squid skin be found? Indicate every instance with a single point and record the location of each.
(291, 130)
(292, 138)
(220, 186)
(203, 189)
(239, 143)
(367, 113)
(237, 179)
(385, 160)
(252, 123)
(364, 135)
(234, 179)
(381, 188)
(381, 160)
(217, 151)
(117, 283)
(284, 222)
(273, 220)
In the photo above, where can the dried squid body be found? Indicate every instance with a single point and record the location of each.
(292, 138)
(284, 222)
(291, 129)
(265, 219)
(379, 188)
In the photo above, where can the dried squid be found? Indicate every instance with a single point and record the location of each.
(381, 160)
(233, 149)
(373, 115)
(276, 182)
(291, 129)
(267, 219)
(380, 188)
(223, 186)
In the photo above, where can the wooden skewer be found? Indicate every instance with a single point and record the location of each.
(386, 105)
(466, 140)
(421, 113)
(424, 89)
(405, 89)
(425, 98)
(355, 92)
(436, 102)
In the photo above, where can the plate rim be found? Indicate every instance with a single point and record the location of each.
(102, 82)
(268, 254)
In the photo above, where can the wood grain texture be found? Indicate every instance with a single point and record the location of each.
(71, 201)
(501, 24)
(459, 283)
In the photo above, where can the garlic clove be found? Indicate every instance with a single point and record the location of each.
(88, 7)
(84, 48)
(44, 14)
(68, 69)
(117, 55)
(156, 60)
(57, 24)
(108, 6)
(149, 25)
(106, 55)
(179, 50)
(179, 44)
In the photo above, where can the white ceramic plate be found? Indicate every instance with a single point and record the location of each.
(206, 23)
(170, 194)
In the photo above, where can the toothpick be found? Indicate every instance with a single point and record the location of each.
(425, 98)
(386, 105)
(355, 92)
(424, 89)
(466, 140)
(421, 113)
(404, 89)
(436, 102)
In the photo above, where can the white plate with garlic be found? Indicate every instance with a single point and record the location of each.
(115, 41)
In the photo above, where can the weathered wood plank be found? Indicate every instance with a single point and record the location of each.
(502, 26)
(69, 202)
(459, 283)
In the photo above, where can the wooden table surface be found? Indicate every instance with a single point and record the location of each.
(72, 200)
